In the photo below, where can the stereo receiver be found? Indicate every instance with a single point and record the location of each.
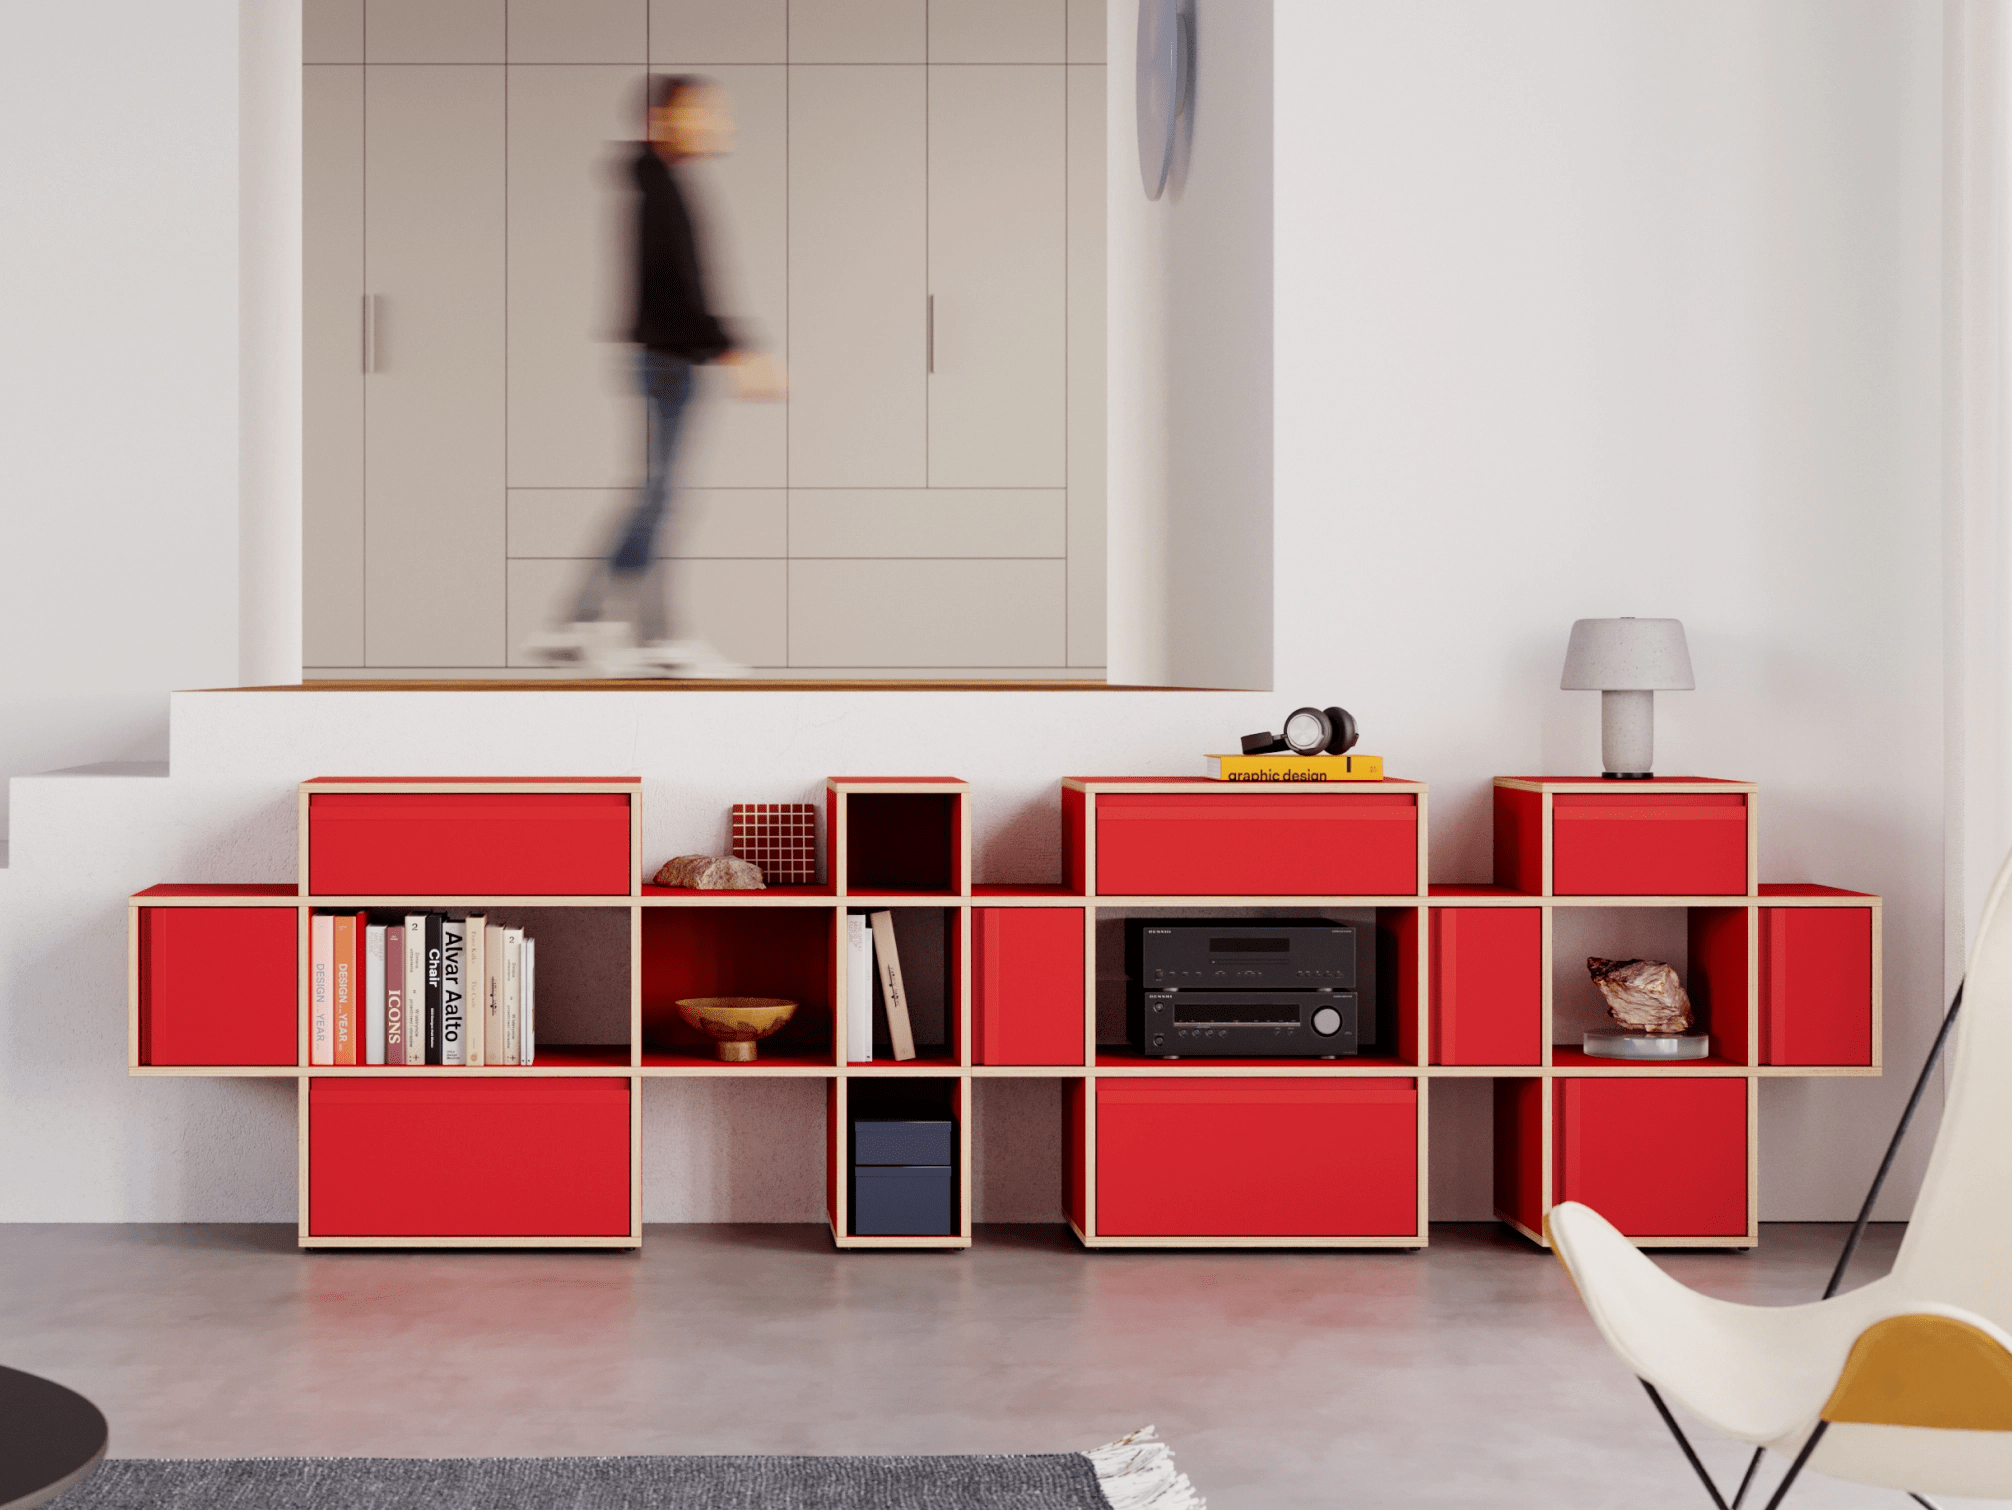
(1278, 1024)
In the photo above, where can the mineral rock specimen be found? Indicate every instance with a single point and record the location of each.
(1643, 995)
(710, 873)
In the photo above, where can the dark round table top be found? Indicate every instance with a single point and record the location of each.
(51, 1439)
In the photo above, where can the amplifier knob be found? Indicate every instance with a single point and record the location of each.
(1327, 1022)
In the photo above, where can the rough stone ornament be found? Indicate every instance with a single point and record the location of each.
(1643, 995)
(710, 873)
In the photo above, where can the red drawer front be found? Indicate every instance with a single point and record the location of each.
(1816, 985)
(468, 844)
(1657, 1158)
(1257, 1158)
(1487, 985)
(1260, 845)
(219, 985)
(1027, 987)
(471, 1158)
(1651, 844)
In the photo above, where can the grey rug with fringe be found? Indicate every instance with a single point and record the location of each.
(1134, 1473)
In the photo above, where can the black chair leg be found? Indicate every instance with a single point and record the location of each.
(1747, 1478)
(1795, 1468)
(1690, 1453)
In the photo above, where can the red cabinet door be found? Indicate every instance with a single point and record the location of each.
(219, 985)
(1816, 985)
(1027, 984)
(1257, 1157)
(430, 844)
(1257, 845)
(1487, 985)
(437, 1157)
(1656, 1157)
(1649, 844)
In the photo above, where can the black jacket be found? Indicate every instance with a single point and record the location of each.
(671, 312)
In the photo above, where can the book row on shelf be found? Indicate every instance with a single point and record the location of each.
(429, 988)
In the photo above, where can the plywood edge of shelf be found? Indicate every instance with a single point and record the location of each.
(606, 901)
(1682, 785)
(1421, 1240)
(501, 786)
(1522, 1231)
(218, 1071)
(906, 1069)
(1836, 898)
(466, 1071)
(1028, 1071)
(755, 1071)
(398, 1243)
(1709, 899)
(862, 1244)
(1327, 1068)
(1483, 1071)
(1303, 900)
(216, 899)
(1200, 785)
(817, 897)
(1817, 1071)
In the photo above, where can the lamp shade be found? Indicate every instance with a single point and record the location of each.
(1627, 655)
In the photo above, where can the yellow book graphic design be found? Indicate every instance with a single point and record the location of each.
(1290, 768)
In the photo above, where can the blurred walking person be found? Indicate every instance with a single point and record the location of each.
(622, 620)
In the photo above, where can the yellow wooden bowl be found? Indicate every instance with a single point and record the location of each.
(735, 1023)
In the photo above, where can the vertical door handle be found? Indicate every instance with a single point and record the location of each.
(932, 333)
(370, 333)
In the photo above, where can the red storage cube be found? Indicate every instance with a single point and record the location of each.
(418, 844)
(437, 1157)
(1487, 985)
(1816, 985)
(1257, 1157)
(1649, 844)
(219, 985)
(1656, 1157)
(1257, 845)
(1027, 984)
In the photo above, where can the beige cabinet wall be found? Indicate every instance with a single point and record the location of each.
(465, 166)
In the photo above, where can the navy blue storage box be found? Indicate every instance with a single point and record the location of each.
(906, 1142)
(904, 1200)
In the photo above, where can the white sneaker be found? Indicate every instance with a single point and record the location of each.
(587, 644)
(684, 659)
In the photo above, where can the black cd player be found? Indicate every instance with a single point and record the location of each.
(1244, 954)
(1229, 1024)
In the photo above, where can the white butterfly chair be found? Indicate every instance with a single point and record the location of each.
(1905, 1382)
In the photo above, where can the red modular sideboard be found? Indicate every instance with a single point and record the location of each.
(1027, 980)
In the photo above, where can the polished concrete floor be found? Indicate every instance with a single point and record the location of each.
(1465, 1375)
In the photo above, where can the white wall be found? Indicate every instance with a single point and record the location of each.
(1582, 308)
(119, 392)
(1190, 324)
(1591, 308)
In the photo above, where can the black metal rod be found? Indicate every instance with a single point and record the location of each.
(1919, 1500)
(1747, 1479)
(1690, 1455)
(1795, 1468)
(1893, 1148)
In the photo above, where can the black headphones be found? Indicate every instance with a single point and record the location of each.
(1308, 731)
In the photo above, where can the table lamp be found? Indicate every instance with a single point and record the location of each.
(1627, 661)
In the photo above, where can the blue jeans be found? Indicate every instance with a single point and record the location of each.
(632, 563)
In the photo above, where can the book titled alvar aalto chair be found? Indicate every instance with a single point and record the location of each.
(1905, 1382)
